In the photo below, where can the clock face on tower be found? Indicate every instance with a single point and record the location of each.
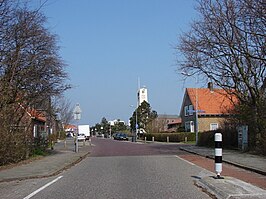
(142, 95)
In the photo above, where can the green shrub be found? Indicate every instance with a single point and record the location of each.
(173, 137)
(38, 152)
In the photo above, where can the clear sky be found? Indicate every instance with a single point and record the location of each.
(109, 44)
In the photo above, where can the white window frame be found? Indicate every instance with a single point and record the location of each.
(35, 131)
(192, 127)
(212, 125)
(189, 126)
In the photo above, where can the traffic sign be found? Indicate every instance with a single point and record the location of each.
(77, 112)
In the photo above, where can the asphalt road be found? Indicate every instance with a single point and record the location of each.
(118, 169)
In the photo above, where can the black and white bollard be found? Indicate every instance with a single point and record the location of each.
(218, 154)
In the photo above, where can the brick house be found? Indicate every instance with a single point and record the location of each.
(40, 123)
(212, 106)
(166, 123)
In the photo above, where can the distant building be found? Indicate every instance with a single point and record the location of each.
(70, 129)
(113, 122)
(167, 123)
(142, 95)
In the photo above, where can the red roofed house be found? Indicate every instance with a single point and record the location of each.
(41, 126)
(38, 122)
(213, 107)
(70, 129)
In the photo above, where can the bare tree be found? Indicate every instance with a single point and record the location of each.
(64, 109)
(227, 45)
(31, 70)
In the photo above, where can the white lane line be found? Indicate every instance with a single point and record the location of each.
(42, 188)
(185, 160)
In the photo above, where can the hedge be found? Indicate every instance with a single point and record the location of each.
(229, 138)
(173, 137)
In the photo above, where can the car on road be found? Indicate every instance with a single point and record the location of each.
(120, 136)
(100, 136)
(81, 137)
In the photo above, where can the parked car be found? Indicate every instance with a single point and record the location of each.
(81, 137)
(120, 136)
(100, 136)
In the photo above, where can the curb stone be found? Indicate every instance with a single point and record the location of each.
(230, 188)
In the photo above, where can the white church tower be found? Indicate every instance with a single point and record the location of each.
(142, 95)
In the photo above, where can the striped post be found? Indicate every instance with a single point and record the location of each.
(218, 154)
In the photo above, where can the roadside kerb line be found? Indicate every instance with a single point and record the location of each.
(42, 188)
(185, 160)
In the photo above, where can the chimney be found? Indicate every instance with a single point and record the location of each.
(210, 86)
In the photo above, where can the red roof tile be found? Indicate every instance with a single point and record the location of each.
(38, 115)
(215, 102)
(70, 126)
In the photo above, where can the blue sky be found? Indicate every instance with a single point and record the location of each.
(109, 44)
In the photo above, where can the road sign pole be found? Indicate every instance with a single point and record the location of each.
(77, 116)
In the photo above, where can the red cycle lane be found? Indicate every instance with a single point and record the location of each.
(228, 170)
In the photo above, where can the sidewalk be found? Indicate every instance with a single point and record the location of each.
(244, 160)
(61, 158)
(230, 187)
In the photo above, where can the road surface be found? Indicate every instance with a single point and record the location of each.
(118, 169)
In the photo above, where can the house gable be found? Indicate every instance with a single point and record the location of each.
(214, 104)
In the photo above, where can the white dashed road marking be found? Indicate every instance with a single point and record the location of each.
(42, 188)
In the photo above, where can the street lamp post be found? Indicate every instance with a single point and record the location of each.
(136, 133)
(196, 115)
(77, 116)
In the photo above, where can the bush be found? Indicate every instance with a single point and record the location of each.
(61, 135)
(206, 139)
(38, 152)
(173, 137)
(14, 146)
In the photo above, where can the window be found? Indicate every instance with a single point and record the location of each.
(213, 126)
(186, 110)
(35, 131)
(192, 128)
(190, 110)
(189, 126)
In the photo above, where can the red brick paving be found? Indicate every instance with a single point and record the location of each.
(228, 170)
